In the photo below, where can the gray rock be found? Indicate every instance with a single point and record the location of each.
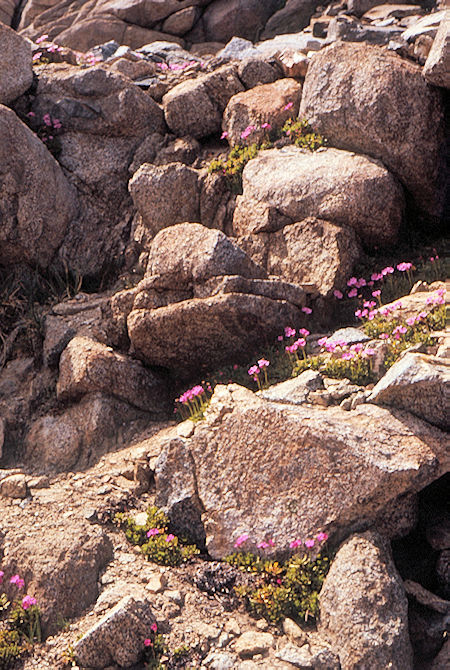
(420, 384)
(350, 335)
(295, 391)
(220, 660)
(437, 67)
(348, 30)
(14, 486)
(16, 72)
(363, 607)
(118, 637)
(237, 49)
(252, 643)
(304, 658)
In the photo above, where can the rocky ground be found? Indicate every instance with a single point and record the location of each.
(243, 206)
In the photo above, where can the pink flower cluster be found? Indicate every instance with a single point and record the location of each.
(190, 394)
(18, 581)
(28, 601)
(294, 544)
(300, 343)
(255, 370)
(436, 298)
(309, 543)
(247, 132)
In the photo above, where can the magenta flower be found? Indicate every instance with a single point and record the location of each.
(322, 537)
(301, 342)
(352, 281)
(15, 579)
(322, 342)
(288, 106)
(241, 539)
(1, 576)
(304, 332)
(330, 347)
(361, 282)
(28, 601)
(369, 352)
(224, 135)
(387, 271)
(37, 55)
(358, 313)
(376, 276)
(307, 310)
(411, 321)
(348, 355)
(47, 120)
(148, 643)
(31, 114)
(352, 293)
(254, 370)
(403, 267)
(266, 126)
(358, 347)
(42, 38)
(170, 537)
(295, 544)
(154, 627)
(280, 338)
(263, 545)
(289, 332)
(263, 363)
(376, 294)
(423, 315)
(337, 294)
(248, 131)
(152, 532)
(309, 544)
(399, 329)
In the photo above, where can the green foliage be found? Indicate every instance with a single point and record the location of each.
(161, 547)
(26, 622)
(154, 651)
(234, 166)
(10, 648)
(310, 363)
(303, 135)
(280, 590)
(358, 370)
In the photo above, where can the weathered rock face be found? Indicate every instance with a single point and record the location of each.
(36, 201)
(437, 67)
(224, 19)
(262, 104)
(195, 107)
(87, 366)
(363, 607)
(118, 637)
(165, 195)
(202, 333)
(282, 186)
(16, 73)
(247, 448)
(420, 384)
(190, 253)
(310, 251)
(60, 566)
(366, 100)
(81, 434)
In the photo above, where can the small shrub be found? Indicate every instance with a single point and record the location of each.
(10, 648)
(234, 165)
(311, 363)
(300, 133)
(357, 370)
(157, 544)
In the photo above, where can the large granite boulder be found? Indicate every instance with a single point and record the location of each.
(265, 104)
(266, 468)
(224, 19)
(293, 16)
(16, 72)
(437, 67)
(37, 203)
(282, 186)
(363, 607)
(370, 101)
(195, 107)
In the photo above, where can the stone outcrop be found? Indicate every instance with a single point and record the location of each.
(363, 607)
(369, 101)
(282, 186)
(37, 203)
(419, 384)
(265, 104)
(16, 73)
(247, 448)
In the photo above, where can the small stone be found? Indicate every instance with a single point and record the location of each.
(140, 518)
(346, 404)
(251, 643)
(294, 632)
(224, 639)
(171, 610)
(175, 596)
(14, 486)
(262, 624)
(155, 584)
(186, 428)
(42, 482)
(232, 627)
(219, 661)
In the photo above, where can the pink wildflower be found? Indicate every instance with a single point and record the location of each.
(1, 576)
(384, 336)
(28, 601)
(263, 363)
(403, 267)
(376, 294)
(307, 310)
(57, 124)
(361, 282)
(224, 135)
(31, 114)
(309, 544)
(15, 579)
(337, 294)
(254, 370)
(304, 332)
(322, 342)
(369, 352)
(400, 329)
(241, 539)
(301, 342)
(148, 643)
(42, 38)
(353, 293)
(423, 315)
(352, 281)
(47, 120)
(348, 355)
(248, 131)
(387, 271)
(154, 627)
(358, 313)
(288, 106)
(280, 338)
(322, 537)
(263, 545)
(357, 347)
(376, 276)
(37, 55)
(411, 321)
(289, 332)
(152, 532)
(266, 126)
(295, 543)
(330, 347)
(170, 537)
